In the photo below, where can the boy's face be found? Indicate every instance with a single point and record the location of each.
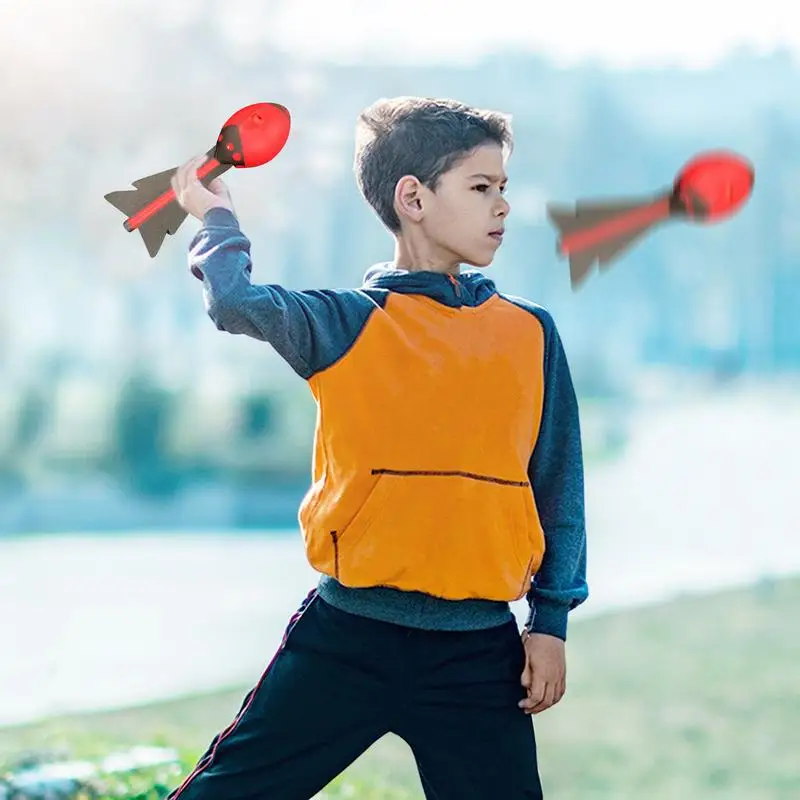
(460, 219)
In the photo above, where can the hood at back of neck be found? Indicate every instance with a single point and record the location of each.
(469, 288)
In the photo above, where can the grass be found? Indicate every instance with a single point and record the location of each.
(697, 699)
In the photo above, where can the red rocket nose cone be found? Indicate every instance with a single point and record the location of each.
(260, 132)
(281, 108)
(715, 185)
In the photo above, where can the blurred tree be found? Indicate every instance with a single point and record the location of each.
(142, 419)
(258, 416)
(35, 408)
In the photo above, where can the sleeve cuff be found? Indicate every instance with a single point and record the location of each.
(548, 618)
(216, 217)
(220, 217)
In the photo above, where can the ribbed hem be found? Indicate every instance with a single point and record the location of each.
(415, 609)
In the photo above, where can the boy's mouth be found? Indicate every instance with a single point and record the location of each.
(497, 235)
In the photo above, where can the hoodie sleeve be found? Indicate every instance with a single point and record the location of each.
(309, 329)
(556, 475)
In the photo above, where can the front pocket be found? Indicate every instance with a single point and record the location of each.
(452, 534)
(368, 514)
(475, 476)
(335, 539)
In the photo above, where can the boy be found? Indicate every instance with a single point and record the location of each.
(447, 482)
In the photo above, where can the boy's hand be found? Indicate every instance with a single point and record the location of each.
(545, 673)
(193, 197)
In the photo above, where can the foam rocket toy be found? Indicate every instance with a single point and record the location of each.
(711, 187)
(252, 136)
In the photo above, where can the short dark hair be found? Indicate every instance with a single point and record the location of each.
(419, 136)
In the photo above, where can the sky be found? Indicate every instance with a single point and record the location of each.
(617, 33)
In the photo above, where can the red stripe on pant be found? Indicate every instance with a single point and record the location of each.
(206, 762)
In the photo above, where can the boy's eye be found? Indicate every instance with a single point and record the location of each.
(482, 187)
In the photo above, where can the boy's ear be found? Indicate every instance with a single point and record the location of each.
(408, 198)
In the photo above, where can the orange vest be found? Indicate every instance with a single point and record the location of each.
(424, 432)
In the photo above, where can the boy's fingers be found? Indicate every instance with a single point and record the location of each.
(548, 698)
(196, 163)
(180, 177)
(187, 171)
(536, 694)
(191, 171)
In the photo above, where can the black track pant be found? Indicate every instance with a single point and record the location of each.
(339, 682)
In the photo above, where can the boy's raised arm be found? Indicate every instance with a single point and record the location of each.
(308, 329)
(556, 474)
